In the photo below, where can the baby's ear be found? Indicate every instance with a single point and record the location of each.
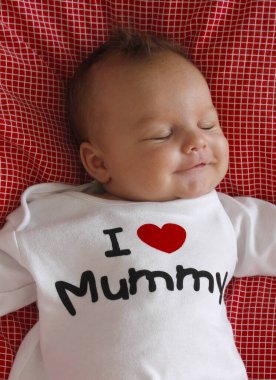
(93, 162)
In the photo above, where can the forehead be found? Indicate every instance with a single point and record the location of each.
(165, 71)
(119, 72)
(124, 90)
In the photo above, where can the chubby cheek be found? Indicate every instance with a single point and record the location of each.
(152, 165)
(157, 169)
(219, 146)
(224, 154)
(219, 170)
(160, 158)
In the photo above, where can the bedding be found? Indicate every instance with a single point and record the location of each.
(232, 42)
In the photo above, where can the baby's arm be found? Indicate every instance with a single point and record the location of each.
(254, 222)
(17, 288)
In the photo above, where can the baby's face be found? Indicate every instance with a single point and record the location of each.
(157, 137)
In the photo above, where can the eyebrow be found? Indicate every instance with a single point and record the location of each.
(146, 119)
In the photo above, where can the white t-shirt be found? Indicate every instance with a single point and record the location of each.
(130, 290)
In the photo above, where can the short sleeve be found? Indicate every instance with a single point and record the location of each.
(17, 287)
(254, 222)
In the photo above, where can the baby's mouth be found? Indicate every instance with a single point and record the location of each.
(194, 167)
(199, 166)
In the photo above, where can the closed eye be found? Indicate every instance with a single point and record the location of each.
(206, 126)
(162, 137)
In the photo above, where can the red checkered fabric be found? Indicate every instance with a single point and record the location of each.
(232, 42)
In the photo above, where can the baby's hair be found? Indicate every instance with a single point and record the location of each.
(134, 46)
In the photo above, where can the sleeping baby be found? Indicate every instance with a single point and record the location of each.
(129, 271)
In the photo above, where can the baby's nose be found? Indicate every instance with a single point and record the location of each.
(193, 141)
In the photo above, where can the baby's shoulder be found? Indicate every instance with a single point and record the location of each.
(242, 206)
(43, 203)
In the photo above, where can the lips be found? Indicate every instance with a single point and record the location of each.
(193, 167)
(201, 164)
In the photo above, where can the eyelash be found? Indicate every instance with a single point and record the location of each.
(163, 138)
(171, 132)
(207, 128)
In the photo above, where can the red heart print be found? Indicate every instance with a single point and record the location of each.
(168, 238)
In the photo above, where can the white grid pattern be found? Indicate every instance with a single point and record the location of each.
(232, 42)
